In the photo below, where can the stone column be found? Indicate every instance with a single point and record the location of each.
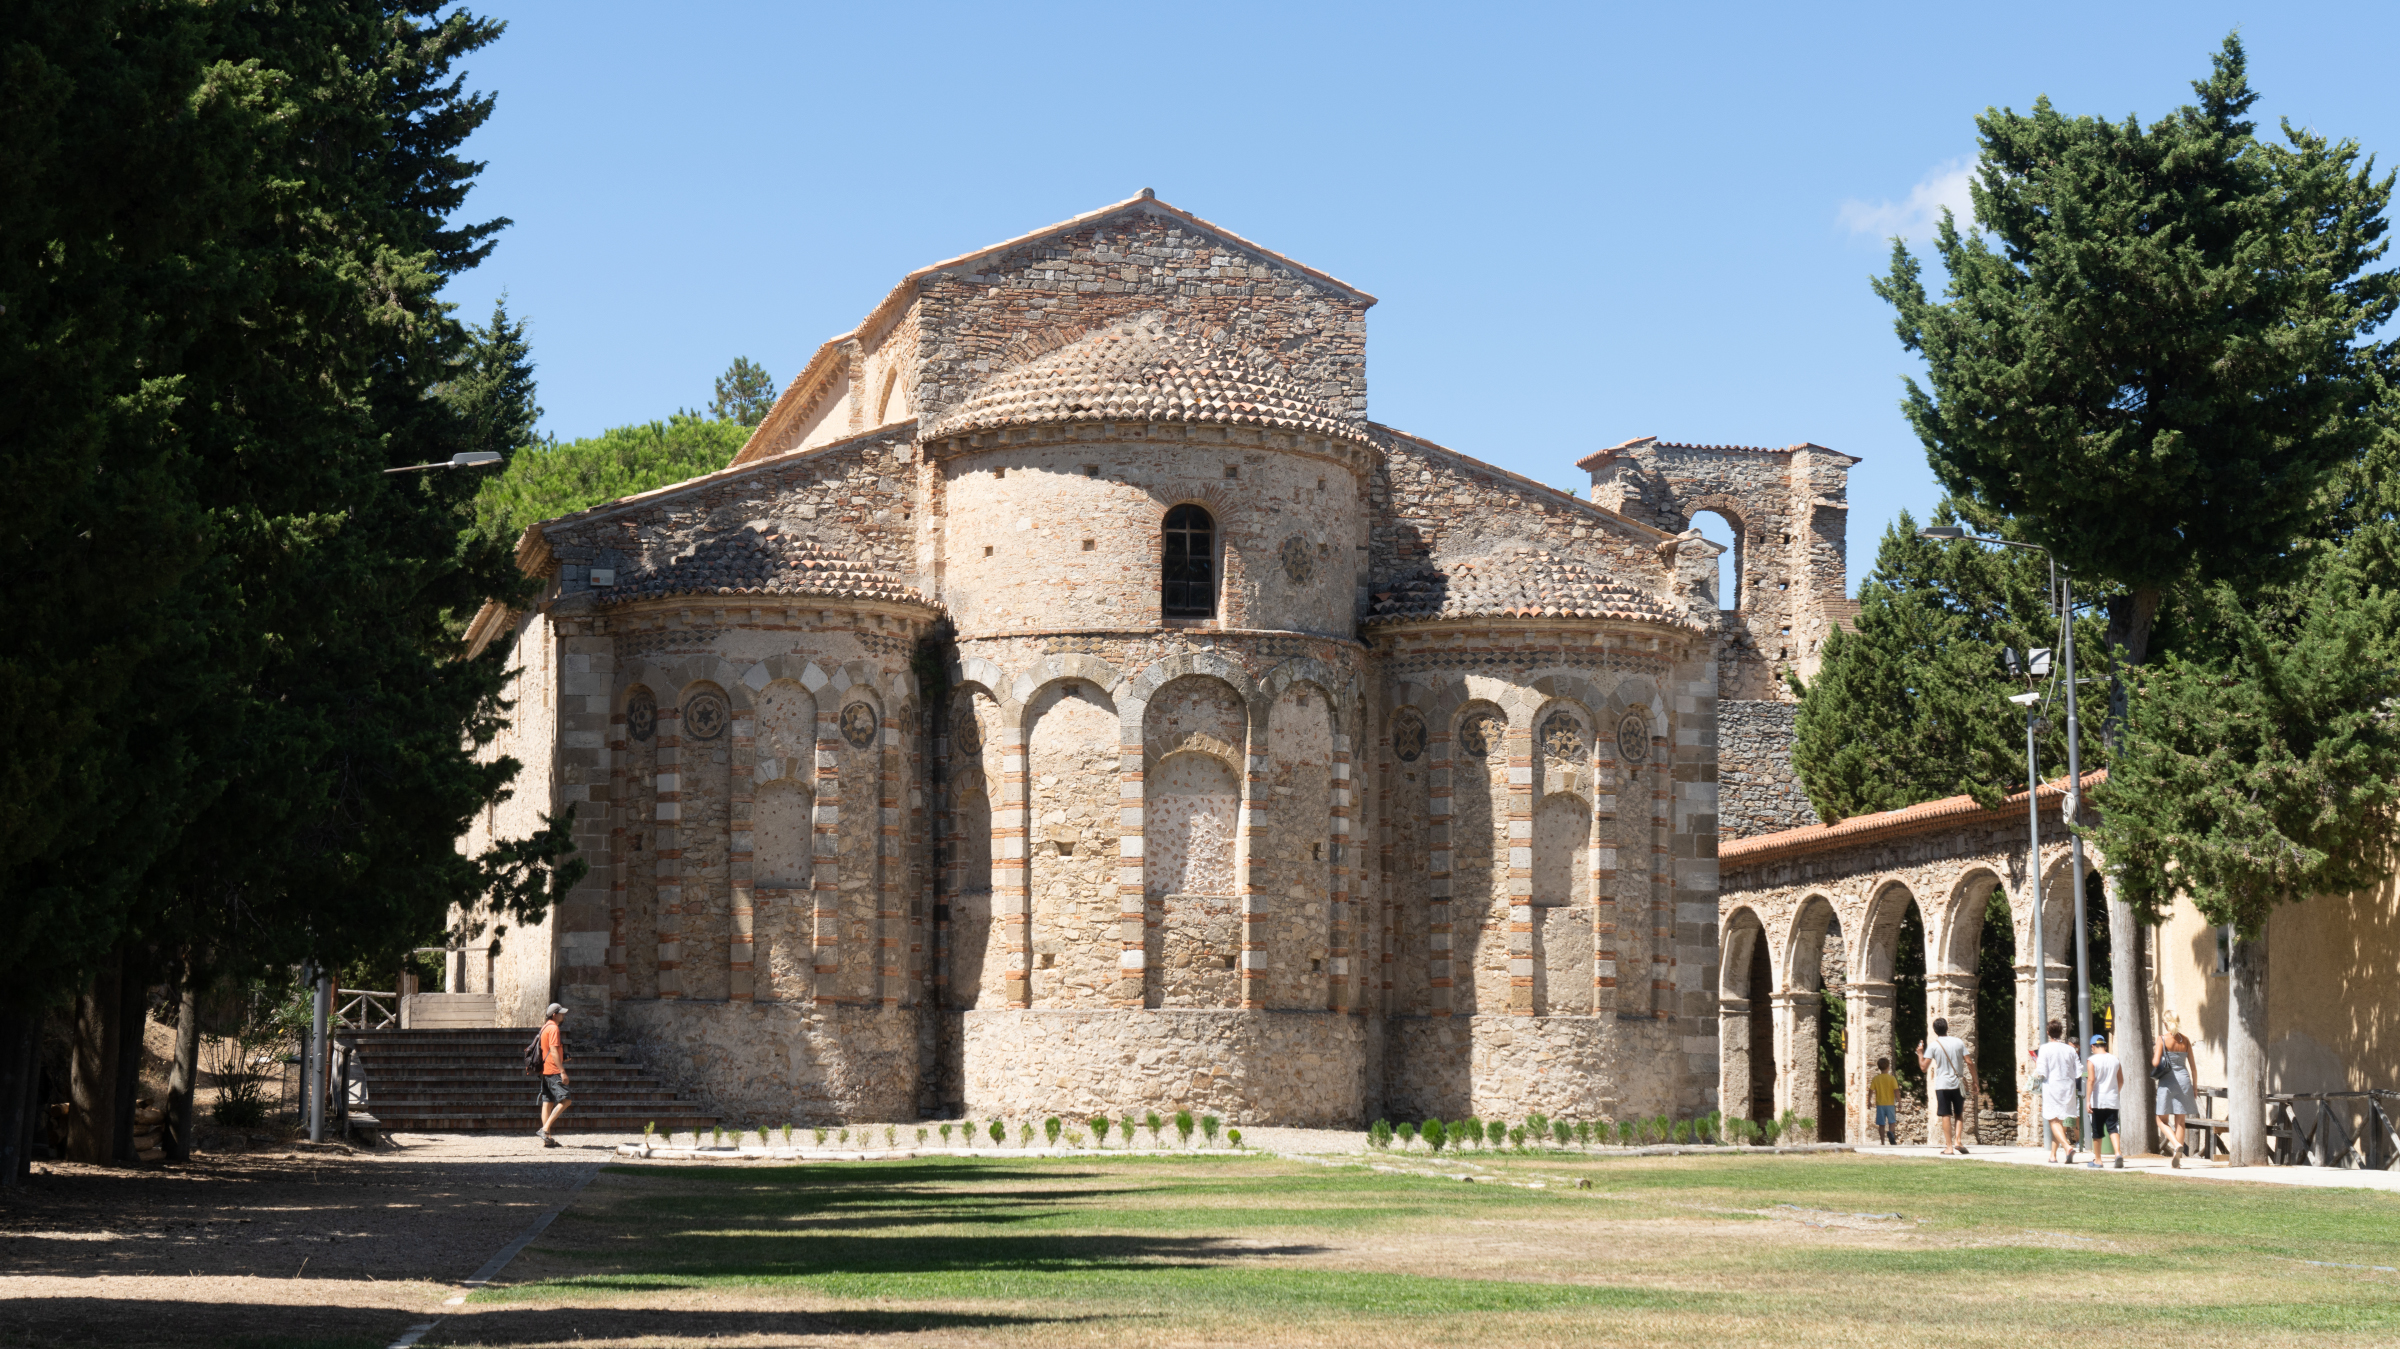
(1012, 898)
(1256, 886)
(889, 863)
(1520, 869)
(622, 826)
(1607, 912)
(1132, 906)
(1796, 1012)
(1338, 949)
(1439, 811)
(1870, 1022)
(825, 841)
(1660, 919)
(740, 854)
(1733, 1056)
(668, 857)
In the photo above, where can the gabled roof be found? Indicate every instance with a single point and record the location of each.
(820, 366)
(1599, 457)
(1951, 812)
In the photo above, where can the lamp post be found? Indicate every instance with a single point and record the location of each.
(2062, 591)
(463, 459)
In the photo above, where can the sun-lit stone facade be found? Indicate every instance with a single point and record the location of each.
(1069, 700)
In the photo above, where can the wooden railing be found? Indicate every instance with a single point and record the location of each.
(364, 1009)
(2314, 1128)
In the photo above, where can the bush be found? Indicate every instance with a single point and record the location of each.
(891, 1136)
(1209, 1124)
(1562, 1132)
(1099, 1125)
(1408, 1134)
(764, 1141)
(1379, 1135)
(843, 1137)
(1516, 1138)
(1183, 1128)
(1464, 1131)
(1681, 1131)
(1125, 1127)
(1153, 1123)
(716, 1135)
(920, 1135)
(1050, 1129)
(787, 1135)
(1025, 1133)
(1434, 1134)
(1538, 1126)
(820, 1133)
(1234, 1136)
(1583, 1133)
(999, 1133)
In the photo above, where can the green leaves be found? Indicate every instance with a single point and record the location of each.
(2159, 353)
(745, 393)
(548, 481)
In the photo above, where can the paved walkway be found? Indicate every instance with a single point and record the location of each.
(2325, 1176)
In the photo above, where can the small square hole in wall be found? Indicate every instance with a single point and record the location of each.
(1233, 470)
(1316, 967)
(987, 550)
(1227, 962)
(1320, 484)
(1090, 545)
(1091, 470)
(1316, 852)
(1066, 848)
(999, 473)
(1049, 960)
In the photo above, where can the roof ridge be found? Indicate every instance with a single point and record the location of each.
(1602, 456)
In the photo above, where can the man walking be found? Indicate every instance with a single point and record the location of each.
(1949, 1069)
(2104, 1081)
(2057, 1068)
(554, 1098)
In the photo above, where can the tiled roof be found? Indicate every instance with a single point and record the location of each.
(1142, 370)
(751, 563)
(1603, 456)
(1517, 583)
(1951, 812)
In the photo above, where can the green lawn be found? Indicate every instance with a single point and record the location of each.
(1707, 1251)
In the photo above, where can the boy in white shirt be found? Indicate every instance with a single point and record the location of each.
(2060, 1070)
(1950, 1071)
(2105, 1081)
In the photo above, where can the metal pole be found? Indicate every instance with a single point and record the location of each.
(2074, 800)
(323, 1010)
(2033, 871)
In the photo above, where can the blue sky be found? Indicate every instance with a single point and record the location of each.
(1585, 223)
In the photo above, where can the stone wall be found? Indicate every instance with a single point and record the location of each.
(1757, 791)
(1304, 1069)
(776, 1063)
(1572, 1067)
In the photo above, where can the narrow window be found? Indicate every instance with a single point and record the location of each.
(1188, 575)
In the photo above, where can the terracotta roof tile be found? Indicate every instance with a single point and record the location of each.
(751, 563)
(1951, 812)
(1143, 370)
(1603, 456)
(1519, 583)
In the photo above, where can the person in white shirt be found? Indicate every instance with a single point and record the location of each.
(1950, 1069)
(2061, 1073)
(2105, 1081)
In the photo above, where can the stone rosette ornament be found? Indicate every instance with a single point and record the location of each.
(1408, 735)
(858, 725)
(704, 716)
(1633, 738)
(641, 715)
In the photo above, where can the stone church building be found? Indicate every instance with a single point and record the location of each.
(1070, 699)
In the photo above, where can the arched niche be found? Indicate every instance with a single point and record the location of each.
(1077, 932)
(1294, 862)
(1563, 917)
(977, 973)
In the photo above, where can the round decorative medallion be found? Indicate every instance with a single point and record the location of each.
(966, 734)
(1408, 735)
(1477, 735)
(1299, 560)
(1562, 738)
(641, 714)
(1633, 738)
(704, 716)
(858, 725)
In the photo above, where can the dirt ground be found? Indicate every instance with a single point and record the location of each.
(280, 1244)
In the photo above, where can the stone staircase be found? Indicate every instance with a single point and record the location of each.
(473, 1081)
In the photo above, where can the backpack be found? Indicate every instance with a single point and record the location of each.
(533, 1054)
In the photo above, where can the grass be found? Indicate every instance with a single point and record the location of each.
(1209, 1248)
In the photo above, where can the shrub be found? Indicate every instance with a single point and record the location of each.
(1125, 1129)
(1462, 1131)
(1561, 1132)
(1379, 1135)
(1183, 1128)
(1516, 1137)
(920, 1135)
(787, 1135)
(1209, 1124)
(1050, 1129)
(1537, 1125)
(1234, 1136)
(1681, 1131)
(764, 1140)
(999, 1133)
(649, 1129)
(1583, 1133)
(1025, 1133)
(1075, 1135)
(1408, 1134)
(891, 1136)
(1099, 1125)
(843, 1137)
(1153, 1123)
(1434, 1134)
(945, 1133)
(716, 1135)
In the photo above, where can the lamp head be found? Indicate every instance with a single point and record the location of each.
(2025, 699)
(473, 459)
(1941, 532)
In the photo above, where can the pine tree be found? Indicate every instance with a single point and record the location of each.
(493, 389)
(1912, 706)
(2162, 357)
(745, 393)
(559, 478)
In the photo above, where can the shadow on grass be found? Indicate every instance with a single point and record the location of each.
(553, 1325)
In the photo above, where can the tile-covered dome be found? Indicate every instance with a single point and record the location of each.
(751, 563)
(1143, 370)
(1519, 582)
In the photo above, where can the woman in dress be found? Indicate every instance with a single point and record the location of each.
(2171, 1066)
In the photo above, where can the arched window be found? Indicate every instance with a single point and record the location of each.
(1717, 529)
(1188, 571)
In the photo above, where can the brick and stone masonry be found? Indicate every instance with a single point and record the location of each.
(911, 786)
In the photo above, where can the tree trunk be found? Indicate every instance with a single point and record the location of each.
(186, 1076)
(2129, 988)
(2130, 618)
(133, 1019)
(92, 1117)
(2246, 1051)
(20, 1093)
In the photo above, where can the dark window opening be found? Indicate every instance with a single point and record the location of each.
(1188, 576)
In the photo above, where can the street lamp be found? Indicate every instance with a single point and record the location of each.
(463, 459)
(2062, 591)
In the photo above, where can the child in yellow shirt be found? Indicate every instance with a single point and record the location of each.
(1884, 1091)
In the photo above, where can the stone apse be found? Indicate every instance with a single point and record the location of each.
(1070, 700)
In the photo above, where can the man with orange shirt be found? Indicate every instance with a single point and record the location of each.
(554, 1098)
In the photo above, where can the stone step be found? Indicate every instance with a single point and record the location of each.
(474, 1081)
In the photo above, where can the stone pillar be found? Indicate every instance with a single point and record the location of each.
(1440, 815)
(1951, 994)
(740, 853)
(1607, 912)
(825, 843)
(1796, 1013)
(1132, 906)
(622, 829)
(669, 848)
(1521, 954)
(1733, 1057)
(1256, 884)
(1344, 995)
(1692, 912)
(1870, 1023)
(889, 861)
(1012, 895)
